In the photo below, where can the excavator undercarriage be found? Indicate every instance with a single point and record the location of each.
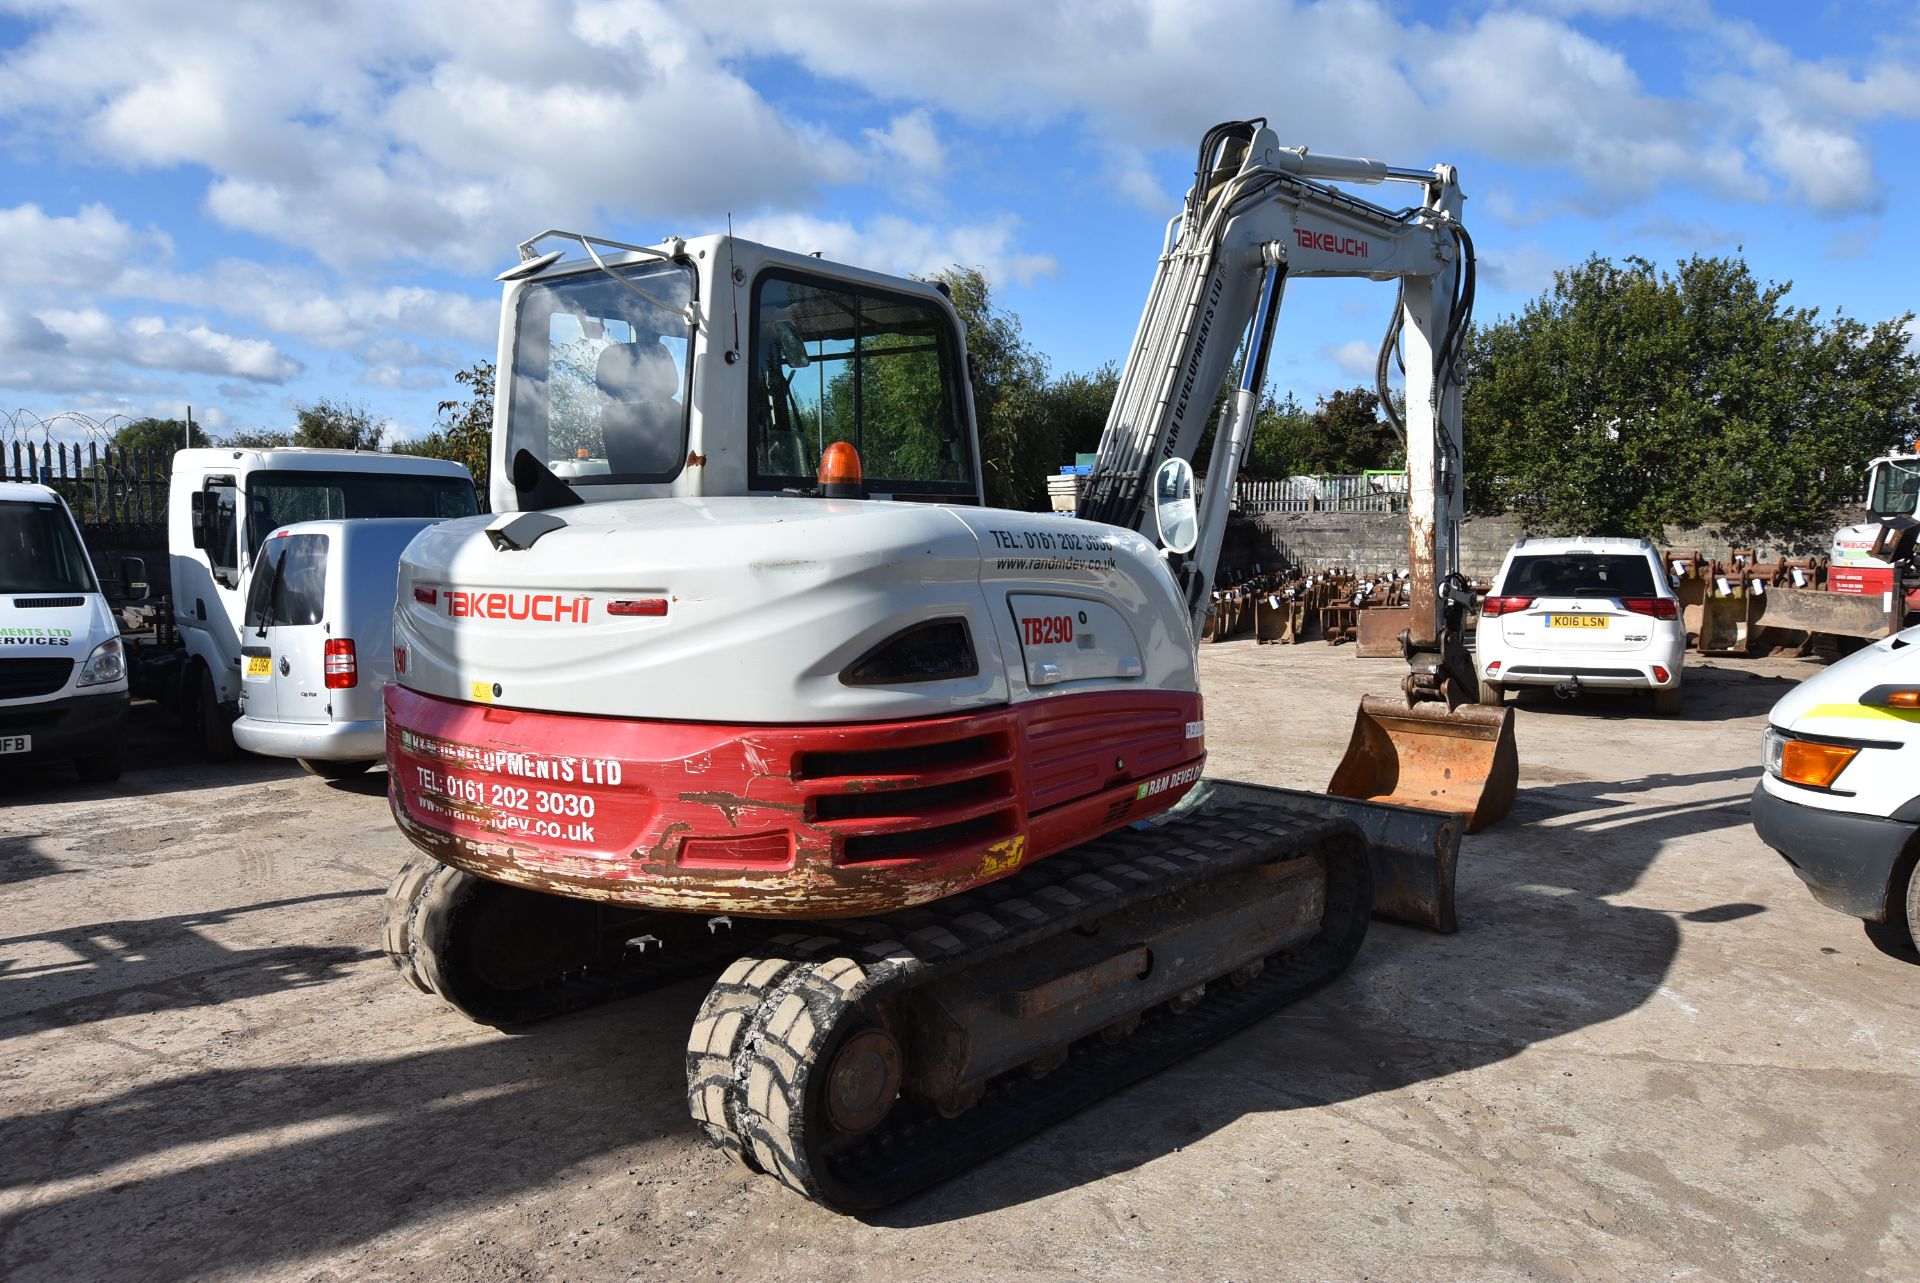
(861, 1059)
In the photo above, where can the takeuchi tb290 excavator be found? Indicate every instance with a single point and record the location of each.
(743, 674)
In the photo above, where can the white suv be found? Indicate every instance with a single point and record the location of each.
(1580, 615)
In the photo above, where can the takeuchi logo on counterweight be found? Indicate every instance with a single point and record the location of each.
(544, 607)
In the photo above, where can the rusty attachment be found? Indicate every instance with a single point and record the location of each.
(1461, 760)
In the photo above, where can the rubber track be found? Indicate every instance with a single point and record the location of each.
(425, 896)
(803, 991)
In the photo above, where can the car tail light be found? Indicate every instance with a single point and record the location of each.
(1493, 669)
(426, 596)
(1657, 607)
(1505, 605)
(1659, 674)
(645, 607)
(1805, 762)
(343, 667)
(400, 660)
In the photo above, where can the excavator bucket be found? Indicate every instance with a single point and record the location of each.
(1460, 760)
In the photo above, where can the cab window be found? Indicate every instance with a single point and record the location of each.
(879, 371)
(220, 529)
(289, 583)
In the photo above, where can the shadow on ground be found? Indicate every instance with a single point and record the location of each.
(159, 759)
(315, 1158)
(138, 967)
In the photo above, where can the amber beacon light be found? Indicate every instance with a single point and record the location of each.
(840, 471)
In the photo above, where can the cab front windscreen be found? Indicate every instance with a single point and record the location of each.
(39, 551)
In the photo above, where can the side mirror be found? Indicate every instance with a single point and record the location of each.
(133, 579)
(199, 518)
(1173, 509)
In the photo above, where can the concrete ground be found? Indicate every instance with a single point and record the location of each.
(1647, 1054)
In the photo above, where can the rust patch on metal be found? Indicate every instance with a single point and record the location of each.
(731, 804)
(695, 459)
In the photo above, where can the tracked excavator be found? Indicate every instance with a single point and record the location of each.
(742, 676)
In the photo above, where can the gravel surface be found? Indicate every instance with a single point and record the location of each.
(1647, 1054)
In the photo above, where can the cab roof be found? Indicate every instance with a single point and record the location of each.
(295, 458)
(1575, 543)
(26, 492)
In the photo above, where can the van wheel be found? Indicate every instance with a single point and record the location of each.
(1913, 904)
(1666, 703)
(102, 767)
(333, 770)
(216, 728)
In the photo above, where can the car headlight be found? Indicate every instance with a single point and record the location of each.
(108, 663)
(1773, 747)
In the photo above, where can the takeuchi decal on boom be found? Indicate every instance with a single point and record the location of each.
(545, 607)
(1329, 243)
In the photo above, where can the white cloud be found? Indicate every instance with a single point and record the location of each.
(901, 247)
(911, 140)
(1355, 357)
(65, 251)
(1519, 269)
(153, 343)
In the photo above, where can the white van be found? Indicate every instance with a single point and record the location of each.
(316, 642)
(63, 672)
(1840, 798)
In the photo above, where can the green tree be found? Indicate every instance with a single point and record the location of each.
(464, 432)
(335, 425)
(161, 435)
(1627, 397)
(1020, 446)
(257, 438)
(1077, 406)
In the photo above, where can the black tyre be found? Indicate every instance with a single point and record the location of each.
(1666, 703)
(216, 728)
(1913, 904)
(101, 767)
(333, 770)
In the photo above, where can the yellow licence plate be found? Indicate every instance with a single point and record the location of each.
(259, 665)
(1576, 621)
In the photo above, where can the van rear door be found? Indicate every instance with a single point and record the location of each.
(293, 621)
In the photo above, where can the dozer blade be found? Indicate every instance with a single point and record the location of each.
(1414, 852)
(1426, 756)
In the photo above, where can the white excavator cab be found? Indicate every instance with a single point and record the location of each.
(715, 367)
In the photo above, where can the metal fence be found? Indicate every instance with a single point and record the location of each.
(105, 485)
(1332, 492)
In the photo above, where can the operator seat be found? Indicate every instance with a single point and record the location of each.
(640, 421)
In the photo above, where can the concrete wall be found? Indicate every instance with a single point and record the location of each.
(1370, 541)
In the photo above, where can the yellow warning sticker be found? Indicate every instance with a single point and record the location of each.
(483, 692)
(1004, 857)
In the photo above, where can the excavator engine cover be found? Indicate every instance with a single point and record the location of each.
(1461, 760)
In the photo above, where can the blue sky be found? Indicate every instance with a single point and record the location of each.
(245, 207)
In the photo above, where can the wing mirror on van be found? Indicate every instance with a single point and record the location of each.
(199, 518)
(133, 580)
(1173, 507)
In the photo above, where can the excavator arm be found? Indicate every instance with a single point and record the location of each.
(1257, 216)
